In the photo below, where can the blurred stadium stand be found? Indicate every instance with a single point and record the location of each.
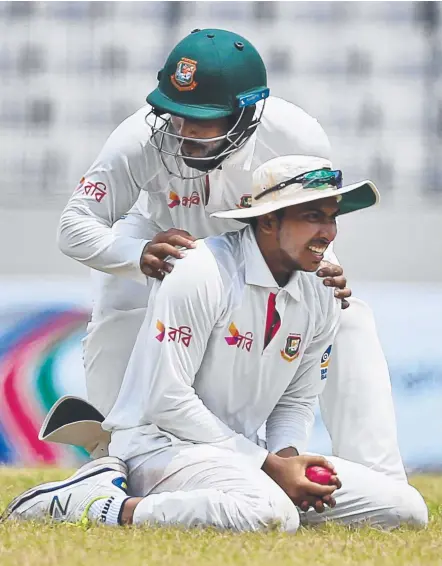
(371, 72)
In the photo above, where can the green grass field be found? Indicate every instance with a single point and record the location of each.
(66, 545)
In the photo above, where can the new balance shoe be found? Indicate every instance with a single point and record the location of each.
(103, 480)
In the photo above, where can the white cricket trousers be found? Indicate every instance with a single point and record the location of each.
(206, 486)
(357, 404)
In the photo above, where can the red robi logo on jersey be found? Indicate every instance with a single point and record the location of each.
(187, 202)
(239, 340)
(181, 334)
(96, 190)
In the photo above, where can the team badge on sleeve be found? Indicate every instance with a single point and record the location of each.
(325, 360)
(183, 79)
(292, 346)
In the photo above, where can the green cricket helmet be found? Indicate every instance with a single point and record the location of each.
(210, 74)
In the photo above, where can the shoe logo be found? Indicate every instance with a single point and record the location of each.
(56, 510)
(105, 510)
(121, 483)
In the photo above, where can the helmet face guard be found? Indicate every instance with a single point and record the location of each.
(169, 144)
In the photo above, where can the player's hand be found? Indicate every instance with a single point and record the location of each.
(164, 244)
(334, 277)
(289, 474)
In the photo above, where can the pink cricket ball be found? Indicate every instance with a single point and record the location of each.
(318, 474)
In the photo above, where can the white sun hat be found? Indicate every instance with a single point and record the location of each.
(295, 179)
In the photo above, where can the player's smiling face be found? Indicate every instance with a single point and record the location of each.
(305, 232)
(297, 240)
(200, 130)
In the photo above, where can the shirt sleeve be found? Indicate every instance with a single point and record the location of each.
(170, 347)
(138, 223)
(291, 421)
(106, 192)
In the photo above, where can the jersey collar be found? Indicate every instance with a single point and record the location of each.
(257, 271)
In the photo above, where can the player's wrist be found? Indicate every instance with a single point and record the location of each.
(288, 452)
(272, 465)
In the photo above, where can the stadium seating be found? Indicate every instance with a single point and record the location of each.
(371, 72)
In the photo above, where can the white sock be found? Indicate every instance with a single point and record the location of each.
(107, 510)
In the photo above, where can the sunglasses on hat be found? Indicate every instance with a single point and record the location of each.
(318, 179)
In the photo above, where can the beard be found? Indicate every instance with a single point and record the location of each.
(200, 150)
(207, 157)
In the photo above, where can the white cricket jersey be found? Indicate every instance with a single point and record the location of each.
(128, 165)
(200, 373)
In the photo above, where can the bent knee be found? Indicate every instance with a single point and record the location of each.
(281, 514)
(413, 510)
(407, 508)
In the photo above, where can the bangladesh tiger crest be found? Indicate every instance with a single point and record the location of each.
(292, 346)
(183, 78)
(245, 201)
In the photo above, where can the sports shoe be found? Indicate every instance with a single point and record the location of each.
(70, 500)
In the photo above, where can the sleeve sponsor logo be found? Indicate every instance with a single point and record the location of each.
(181, 334)
(96, 190)
(325, 360)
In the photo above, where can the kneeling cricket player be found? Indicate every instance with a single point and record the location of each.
(238, 334)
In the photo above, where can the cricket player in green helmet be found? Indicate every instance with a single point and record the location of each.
(192, 151)
(235, 79)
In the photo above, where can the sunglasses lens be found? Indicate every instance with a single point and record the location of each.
(322, 179)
